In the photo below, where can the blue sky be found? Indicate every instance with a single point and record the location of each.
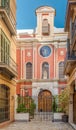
(26, 18)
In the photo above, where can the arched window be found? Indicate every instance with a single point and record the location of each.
(28, 70)
(45, 70)
(61, 70)
(45, 27)
(4, 103)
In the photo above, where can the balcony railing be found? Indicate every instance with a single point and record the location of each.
(73, 30)
(70, 58)
(7, 65)
(8, 17)
(69, 63)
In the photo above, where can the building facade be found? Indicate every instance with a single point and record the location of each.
(8, 67)
(70, 63)
(40, 59)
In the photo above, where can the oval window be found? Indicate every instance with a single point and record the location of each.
(45, 51)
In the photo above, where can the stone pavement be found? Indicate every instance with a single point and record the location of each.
(37, 125)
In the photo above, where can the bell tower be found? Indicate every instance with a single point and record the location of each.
(45, 22)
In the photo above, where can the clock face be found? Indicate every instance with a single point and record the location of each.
(45, 51)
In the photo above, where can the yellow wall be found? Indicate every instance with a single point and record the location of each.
(13, 7)
(4, 80)
(11, 39)
(12, 85)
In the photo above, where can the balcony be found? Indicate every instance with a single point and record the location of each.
(7, 66)
(70, 64)
(73, 36)
(7, 15)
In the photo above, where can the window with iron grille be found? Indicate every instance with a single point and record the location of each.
(4, 103)
(45, 70)
(61, 70)
(28, 70)
(45, 27)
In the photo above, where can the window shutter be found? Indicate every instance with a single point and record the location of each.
(29, 71)
(45, 27)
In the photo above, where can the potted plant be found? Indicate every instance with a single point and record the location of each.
(64, 103)
(32, 108)
(54, 105)
(21, 108)
(21, 111)
(57, 111)
(25, 108)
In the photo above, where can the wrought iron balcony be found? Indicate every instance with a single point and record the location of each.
(8, 17)
(70, 58)
(70, 64)
(73, 34)
(7, 66)
(73, 27)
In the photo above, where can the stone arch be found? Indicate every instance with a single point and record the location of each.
(48, 88)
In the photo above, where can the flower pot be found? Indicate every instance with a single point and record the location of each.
(22, 116)
(65, 118)
(58, 116)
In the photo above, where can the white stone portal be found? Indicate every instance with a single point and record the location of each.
(38, 86)
(50, 86)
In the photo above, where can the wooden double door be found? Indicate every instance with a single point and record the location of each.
(45, 101)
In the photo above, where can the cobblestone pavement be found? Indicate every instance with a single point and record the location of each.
(36, 125)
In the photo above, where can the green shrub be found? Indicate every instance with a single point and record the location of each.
(59, 110)
(26, 104)
(64, 100)
(21, 108)
(54, 105)
(32, 108)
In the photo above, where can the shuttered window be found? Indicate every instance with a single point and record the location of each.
(5, 3)
(28, 70)
(61, 70)
(5, 48)
(45, 27)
